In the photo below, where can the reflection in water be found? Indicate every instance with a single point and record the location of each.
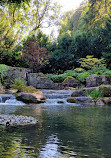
(50, 149)
(65, 131)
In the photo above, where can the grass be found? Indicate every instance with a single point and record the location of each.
(95, 94)
(19, 84)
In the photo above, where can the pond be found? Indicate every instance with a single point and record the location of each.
(65, 131)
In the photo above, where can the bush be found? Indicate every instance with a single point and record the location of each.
(95, 94)
(56, 78)
(82, 76)
(72, 73)
(79, 70)
(19, 84)
(3, 71)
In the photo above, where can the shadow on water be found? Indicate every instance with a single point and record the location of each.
(64, 132)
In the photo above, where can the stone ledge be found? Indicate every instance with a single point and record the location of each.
(17, 121)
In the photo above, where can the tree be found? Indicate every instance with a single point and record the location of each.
(43, 13)
(34, 56)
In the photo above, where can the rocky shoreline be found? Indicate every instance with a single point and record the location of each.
(17, 121)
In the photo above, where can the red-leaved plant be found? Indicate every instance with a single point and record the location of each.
(35, 56)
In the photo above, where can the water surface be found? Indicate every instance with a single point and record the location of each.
(65, 131)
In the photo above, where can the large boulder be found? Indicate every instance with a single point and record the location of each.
(15, 72)
(31, 95)
(97, 80)
(71, 82)
(40, 81)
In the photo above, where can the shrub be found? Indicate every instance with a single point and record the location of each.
(79, 70)
(19, 84)
(95, 94)
(82, 76)
(3, 70)
(56, 78)
(72, 73)
(107, 72)
(90, 62)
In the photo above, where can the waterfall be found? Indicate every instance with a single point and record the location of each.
(9, 99)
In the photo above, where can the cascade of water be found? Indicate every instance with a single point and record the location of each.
(9, 99)
(56, 97)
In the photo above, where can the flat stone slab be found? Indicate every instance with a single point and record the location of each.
(14, 121)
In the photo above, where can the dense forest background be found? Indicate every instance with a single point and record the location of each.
(85, 31)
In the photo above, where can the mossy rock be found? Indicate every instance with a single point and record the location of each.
(71, 100)
(71, 82)
(106, 89)
(31, 89)
(107, 100)
(97, 80)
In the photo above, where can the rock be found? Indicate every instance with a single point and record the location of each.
(15, 72)
(78, 93)
(14, 121)
(31, 97)
(106, 90)
(97, 80)
(71, 82)
(71, 100)
(2, 90)
(12, 91)
(60, 102)
(84, 100)
(100, 102)
(80, 100)
(40, 81)
(106, 100)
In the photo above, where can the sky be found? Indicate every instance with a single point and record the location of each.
(69, 4)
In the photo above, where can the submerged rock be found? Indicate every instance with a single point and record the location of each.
(14, 121)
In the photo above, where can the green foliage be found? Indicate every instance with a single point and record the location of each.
(82, 76)
(79, 70)
(60, 78)
(3, 71)
(57, 78)
(90, 62)
(95, 94)
(72, 73)
(19, 84)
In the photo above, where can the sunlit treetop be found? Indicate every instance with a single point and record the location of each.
(13, 1)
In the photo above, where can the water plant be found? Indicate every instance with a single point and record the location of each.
(95, 94)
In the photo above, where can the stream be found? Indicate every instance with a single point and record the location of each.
(66, 130)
